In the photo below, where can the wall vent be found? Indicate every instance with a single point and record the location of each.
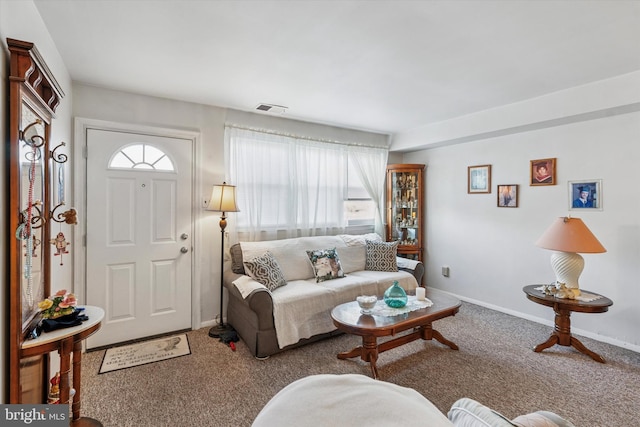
(271, 108)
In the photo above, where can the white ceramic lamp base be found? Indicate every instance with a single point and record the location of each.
(568, 266)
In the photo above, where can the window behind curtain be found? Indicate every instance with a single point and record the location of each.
(290, 187)
(359, 207)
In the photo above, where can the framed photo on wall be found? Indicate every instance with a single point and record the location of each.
(586, 194)
(508, 196)
(479, 179)
(543, 172)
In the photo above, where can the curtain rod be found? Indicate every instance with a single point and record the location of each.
(307, 138)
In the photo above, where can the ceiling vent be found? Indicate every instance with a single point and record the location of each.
(271, 108)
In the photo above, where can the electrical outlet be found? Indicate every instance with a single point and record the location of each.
(445, 271)
(205, 203)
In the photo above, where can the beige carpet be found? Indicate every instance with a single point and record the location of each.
(495, 365)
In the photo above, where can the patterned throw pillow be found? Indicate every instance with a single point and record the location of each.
(381, 256)
(266, 270)
(326, 264)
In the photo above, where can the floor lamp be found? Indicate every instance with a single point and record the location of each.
(223, 199)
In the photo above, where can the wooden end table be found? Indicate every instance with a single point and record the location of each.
(347, 318)
(563, 308)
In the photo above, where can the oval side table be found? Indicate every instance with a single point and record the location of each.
(563, 308)
(68, 341)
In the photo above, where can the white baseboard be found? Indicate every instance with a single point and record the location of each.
(577, 331)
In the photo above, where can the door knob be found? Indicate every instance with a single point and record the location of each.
(184, 250)
(184, 236)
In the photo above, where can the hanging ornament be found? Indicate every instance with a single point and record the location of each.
(61, 245)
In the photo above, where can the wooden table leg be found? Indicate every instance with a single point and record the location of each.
(76, 420)
(349, 354)
(575, 342)
(562, 336)
(553, 340)
(427, 333)
(66, 347)
(368, 352)
(77, 367)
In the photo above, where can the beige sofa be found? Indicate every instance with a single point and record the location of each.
(271, 320)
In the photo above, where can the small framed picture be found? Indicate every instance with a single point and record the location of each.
(508, 196)
(479, 179)
(543, 172)
(585, 194)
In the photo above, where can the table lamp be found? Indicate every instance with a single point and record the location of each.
(223, 199)
(567, 236)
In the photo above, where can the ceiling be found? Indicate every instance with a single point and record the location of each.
(377, 65)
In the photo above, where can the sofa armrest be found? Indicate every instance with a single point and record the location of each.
(411, 266)
(259, 300)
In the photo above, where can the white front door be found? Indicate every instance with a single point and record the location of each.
(139, 246)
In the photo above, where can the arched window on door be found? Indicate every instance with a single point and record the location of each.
(141, 156)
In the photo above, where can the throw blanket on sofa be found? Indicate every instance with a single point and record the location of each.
(302, 308)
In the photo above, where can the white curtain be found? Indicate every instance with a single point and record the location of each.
(370, 164)
(291, 186)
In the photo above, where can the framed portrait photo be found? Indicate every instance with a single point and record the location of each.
(479, 179)
(543, 172)
(586, 194)
(508, 196)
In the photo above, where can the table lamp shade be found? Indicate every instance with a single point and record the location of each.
(570, 235)
(223, 198)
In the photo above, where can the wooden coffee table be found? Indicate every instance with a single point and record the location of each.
(347, 318)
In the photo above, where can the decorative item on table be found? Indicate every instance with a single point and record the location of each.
(60, 311)
(58, 305)
(566, 237)
(395, 296)
(366, 303)
(559, 290)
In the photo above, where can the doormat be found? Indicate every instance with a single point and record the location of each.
(145, 352)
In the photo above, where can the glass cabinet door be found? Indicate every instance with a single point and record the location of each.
(405, 208)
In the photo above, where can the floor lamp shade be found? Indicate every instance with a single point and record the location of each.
(568, 236)
(223, 199)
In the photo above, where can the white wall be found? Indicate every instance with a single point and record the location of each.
(20, 20)
(102, 104)
(490, 250)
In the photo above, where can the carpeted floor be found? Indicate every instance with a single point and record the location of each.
(495, 365)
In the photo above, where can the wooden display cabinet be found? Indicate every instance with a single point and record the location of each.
(405, 208)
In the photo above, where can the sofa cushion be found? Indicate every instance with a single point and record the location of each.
(291, 254)
(326, 264)
(467, 412)
(381, 256)
(266, 270)
(237, 264)
(352, 258)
